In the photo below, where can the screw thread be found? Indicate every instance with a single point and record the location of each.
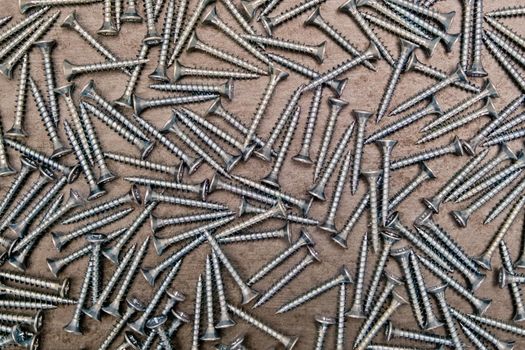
(295, 11)
(507, 12)
(20, 105)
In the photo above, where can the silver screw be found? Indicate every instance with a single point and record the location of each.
(46, 47)
(316, 51)
(361, 118)
(455, 147)
(357, 309)
(16, 41)
(250, 7)
(473, 338)
(225, 320)
(130, 13)
(118, 14)
(288, 341)
(386, 147)
(342, 236)
(74, 326)
(153, 196)
(324, 322)
(197, 314)
(156, 324)
(17, 129)
(506, 31)
(466, 33)
(318, 21)
(201, 188)
(152, 37)
(343, 276)
(517, 120)
(180, 71)
(372, 178)
(425, 173)
(504, 137)
(7, 33)
(392, 332)
(247, 208)
(476, 67)
(26, 5)
(35, 321)
(140, 104)
(497, 324)
(217, 184)
(61, 287)
(506, 12)
(126, 100)
(38, 296)
(28, 166)
(341, 306)
(96, 240)
(270, 23)
(210, 333)
(72, 70)
(18, 304)
(336, 106)
(174, 171)
(311, 257)
(445, 19)
(108, 27)
(232, 8)
(225, 89)
(304, 154)
(439, 293)
(519, 309)
(160, 72)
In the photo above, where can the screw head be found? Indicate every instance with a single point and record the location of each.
(324, 320)
(156, 322)
(96, 238)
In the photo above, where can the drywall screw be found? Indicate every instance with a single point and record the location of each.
(389, 239)
(180, 318)
(229, 159)
(140, 104)
(126, 99)
(74, 326)
(118, 13)
(157, 9)
(276, 76)
(341, 305)
(71, 70)
(71, 172)
(304, 154)
(53, 207)
(28, 166)
(225, 89)
(8, 32)
(371, 53)
(108, 27)
(114, 252)
(247, 208)
(20, 227)
(61, 287)
(372, 178)
(145, 147)
(194, 43)
(324, 322)
(152, 35)
(20, 337)
(499, 344)
(156, 324)
(288, 341)
(225, 320)
(26, 5)
(507, 32)
(473, 338)
(498, 324)
(197, 314)
(247, 293)
(18, 304)
(457, 76)
(17, 129)
(265, 152)
(386, 147)
(160, 71)
(96, 240)
(180, 71)
(517, 120)
(269, 6)
(95, 309)
(250, 7)
(357, 308)
(425, 173)
(130, 13)
(162, 243)
(395, 303)
(190, 162)
(138, 324)
(488, 91)
(35, 321)
(61, 239)
(505, 63)
(476, 67)
(439, 294)
(59, 149)
(329, 221)
(201, 188)
(431, 320)
(507, 47)
(343, 276)
(67, 92)
(189, 27)
(16, 41)
(336, 85)
(311, 257)
(210, 333)
(394, 223)
(494, 178)
(7, 66)
(467, 31)
(455, 147)
(504, 137)
(94, 189)
(270, 23)
(179, 21)
(38, 296)
(445, 19)
(174, 171)
(392, 332)
(153, 196)
(336, 106)
(414, 64)
(507, 12)
(89, 91)
(133, 306)
(303, 240)
(459, 177)
(317, 51)
(462, 216)
(402, 255)
(361, 117)
(232, 8)
(505, 277)
(481, 305)
(113, 307)
(71, 22)
(46, 46)
(504, 153)
(272, 179)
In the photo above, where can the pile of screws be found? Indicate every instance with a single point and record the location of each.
(432, 267)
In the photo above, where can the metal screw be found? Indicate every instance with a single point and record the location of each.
(357, 309)
(140, 104)
(343, 276)
(316, 51)
(41, 297)
(23, 35)
(342, 236)
(61, 287)
(506, 12)
(466, 33)
(23, 23)
(517, 120)
(498, 324)
(270, 23)
(324, 322)
(197, 314)
(392, 332)
(72, 70)
(455, 147)
(130, 13)
(126, 100)
(386, 151)
(160, 72)
(156, 324)
(217, 184)
(225, 89)
(174, 171)
(473, 338)
(476, 67)
(445, 19)
(425, 173)
(108, 27)
(152, 196)
(17, 129)
(504, 61)
(210, 333)
(152, 35)
(224, 318)
(180, 71)
(439, 293)
(361, 117)
(372, 178)
(506, 31)
(28, 166)
(304, 154)
(74, 326)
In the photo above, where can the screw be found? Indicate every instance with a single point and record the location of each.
(152, 196)
(197, 314)
(16, 41)
(72, 70)
(74, 326)
(481, 305)
(467, 31)
(506, 12)
(34, 321)
(140, 104)
(160, 72)
(275, 77)
(224, 319)
(457, 76)
(316, 51)
(506, 31)
(126, 100)
(156, 324)
(61, 287)
(17, 130)
(41, 297)
(343, 276)
(108, 27)
(311, 257)
(180, 71)
(133, 306)
(175, 171)
(324, 322)
(288, 341)
(250, 7)
(46, 48)
(304, 154)
(270, 23)
(445, 19)
(152, 37)
(517, 120)
(96, 240)
(336, 85)
(372, 178)
(439, 293)
(497, 324)
(386, 151)
(371, 53)
(455, 147)
(6, 68)
(424, 174)
(392, 332)
(210, 333)
(130, 13)
(361, 117)
(505, 278)
(356, 311)
(476, 67)
(342, 236)
(341, 305)
(505, 137)
(59, 149)
(201, 188)
(473, 338)
(232, 8)
(225, 89)
(194, 43)
(28, 166)
(8, 33)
